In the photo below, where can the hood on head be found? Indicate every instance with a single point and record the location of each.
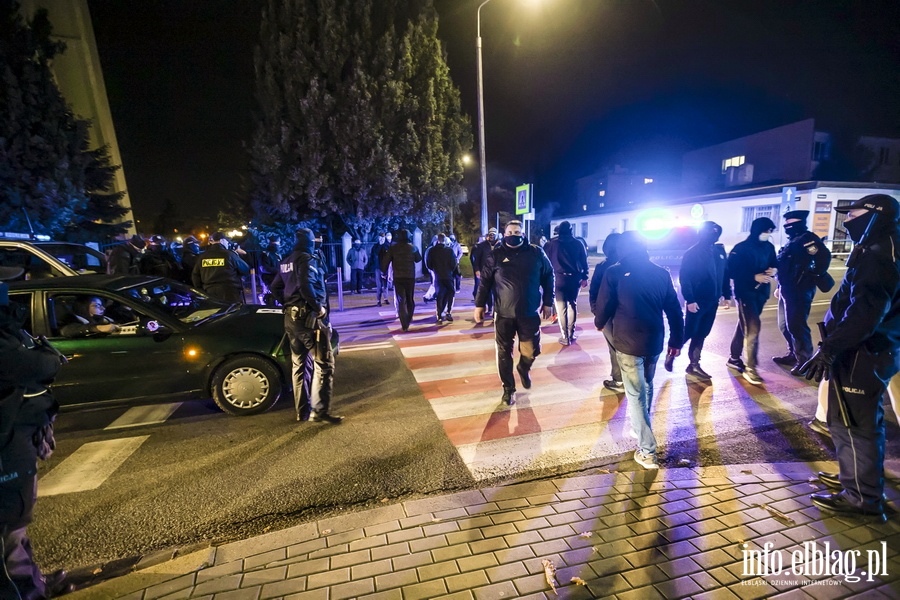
(402, 236)
(565, 228)
(631, 244)
(305, 240)
(761, 225)
(709, 232)
(611, 246)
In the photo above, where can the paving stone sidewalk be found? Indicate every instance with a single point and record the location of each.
(671, 533)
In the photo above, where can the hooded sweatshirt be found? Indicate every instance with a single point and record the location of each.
(403, 255)
(750, 258)
(612, 257)
(301, 278)
(568, 257)
(703, 275)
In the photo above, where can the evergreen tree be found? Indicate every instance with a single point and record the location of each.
(355, 121)
(100, 218)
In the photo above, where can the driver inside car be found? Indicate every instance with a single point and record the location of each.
(89, 319)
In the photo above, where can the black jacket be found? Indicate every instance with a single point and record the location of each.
(569, 260)
(866, 308)
(124, 259)
(633, 296)
(441, 261)
(480, 252)
(703, 274)
(403, 255)
(378, 251)
(517, 277)
(747, 260)
(301, 281)
(157, 261)
(219, 266)
(800, 261)
(612, 257)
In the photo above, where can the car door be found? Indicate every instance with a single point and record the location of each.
(132, 363)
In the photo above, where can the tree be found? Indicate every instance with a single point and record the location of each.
(100, 218)
(50, 181)
(357, 118)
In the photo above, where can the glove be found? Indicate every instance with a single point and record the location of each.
(817, 367)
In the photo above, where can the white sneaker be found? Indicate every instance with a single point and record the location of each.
(648, 461)
(752, 376)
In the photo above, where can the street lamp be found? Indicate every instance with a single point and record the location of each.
(483, 166)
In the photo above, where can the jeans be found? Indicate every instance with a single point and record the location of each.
(637, 375)
(565, 309)
(528, 330)
(793, 317)
(746, 334)
(615, 371)
(356, 279)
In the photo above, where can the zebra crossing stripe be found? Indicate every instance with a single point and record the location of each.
(89, 466)
(144, 415)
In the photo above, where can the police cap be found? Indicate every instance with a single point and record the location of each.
(796, 214)
(881, 203)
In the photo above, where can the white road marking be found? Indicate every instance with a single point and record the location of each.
(89, 466)
(361, 347)
(144, 415)
(468, 345)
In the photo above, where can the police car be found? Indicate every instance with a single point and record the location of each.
(41, 258)
(169, 339)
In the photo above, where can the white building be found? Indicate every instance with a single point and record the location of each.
(735, 210)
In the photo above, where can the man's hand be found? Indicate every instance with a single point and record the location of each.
(479, 314)
(763, 277)
(107, 328)
(771, 271)
(778, 292)
(692, 307)
(478, 274)
(584, 283)
(240, 251)
(322, 311)
(547, 312)
(726, 304)
(674, 351)
(818, 367)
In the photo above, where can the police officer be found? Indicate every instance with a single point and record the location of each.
(124, 259)
(218, 271)
(189, 253)
(859, 355)
(27, 411)
(520, 277)
(800, 262)
(156, 259)
(300, 288)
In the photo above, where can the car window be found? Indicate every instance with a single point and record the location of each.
(76, 315)
(23, 300)
(185, 304)
(35, 267)
(83, 259)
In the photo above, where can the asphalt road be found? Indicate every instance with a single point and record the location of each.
(203, 476)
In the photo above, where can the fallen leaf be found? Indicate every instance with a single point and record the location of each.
(550, 574)
(326, 531)
(383, 500)
(436, 520)
(745, 472)
(579, 581)
(97, 571)
(585, 534)
(596, 549)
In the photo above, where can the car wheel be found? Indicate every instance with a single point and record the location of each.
(246, 385)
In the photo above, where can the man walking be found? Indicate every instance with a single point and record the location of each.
(614, 383)
(704, 284)
(300, 288)
(219, 271)
(442, 263)
(402, 257)
(357, 258)
(457, 252)
(570, 269)
(633, 296)
(478, 255)
(520, 277)
(800, 262)
(859, 356)
(752, 266)
(378, 251)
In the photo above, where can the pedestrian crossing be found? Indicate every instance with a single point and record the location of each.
(89, 466)
(568, 417)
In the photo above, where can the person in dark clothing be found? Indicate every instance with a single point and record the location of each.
(218, 271)
(520, 277)
(269, 262)
(378, 252)
(189, 253)
(458, 253)
(402, 256)
(752, 266)
(88, 319)
(125, 259)
(27, 411)
(800, 262)
(300, 288)
(357, 258)
(614, 382)
(157, 260)
(477, 256)
(859, 356)
(704, 284)
(633, 296)
(441, 261)
(570, 269)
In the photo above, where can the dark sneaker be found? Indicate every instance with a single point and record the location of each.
(648, 461)
(736, 364)
(509, 397)
(752, 376)
(439, 319)
(448, 317)
(830, 480)
(525, 376)
(840, 505)
(788, 360)
(820, 427)
(572, 338)
(615, 386)
(696, 371)
(669, 362)
(325, 418)
(57, 584)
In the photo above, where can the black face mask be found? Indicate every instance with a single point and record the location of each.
(857, 227)
(514, 241)
(709, 235)
(795, 229)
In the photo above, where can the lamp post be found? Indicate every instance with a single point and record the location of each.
(482, 164)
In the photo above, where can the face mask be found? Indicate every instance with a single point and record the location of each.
(857, 227)
(795, 229)
(764, 237)
(514, 241)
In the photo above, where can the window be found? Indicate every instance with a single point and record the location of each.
(884, 155)
(820, 151)
(23, 299)
(751, 213)
(839, 240)
(648, 180)
(734, 161)
(601, 193)
(584, 230)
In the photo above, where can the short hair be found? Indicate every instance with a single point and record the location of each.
(514, 222)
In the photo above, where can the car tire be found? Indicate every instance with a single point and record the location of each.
(246, 385)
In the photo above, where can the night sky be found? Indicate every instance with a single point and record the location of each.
(570, 85)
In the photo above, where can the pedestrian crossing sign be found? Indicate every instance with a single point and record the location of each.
(523, 199)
